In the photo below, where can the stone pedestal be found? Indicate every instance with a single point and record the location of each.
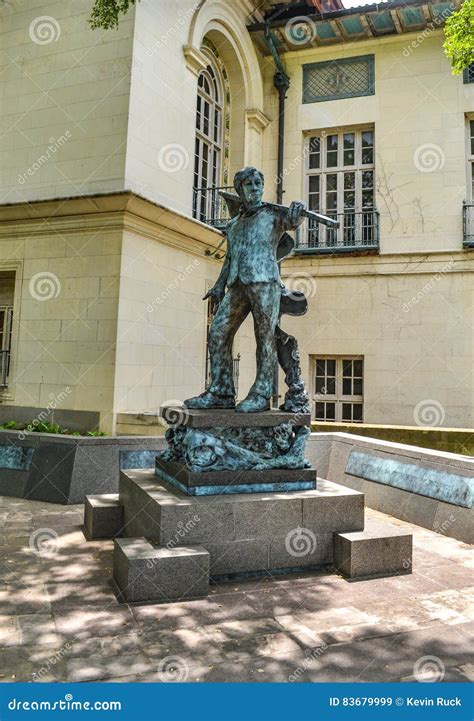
(220, 452)
(174, 543)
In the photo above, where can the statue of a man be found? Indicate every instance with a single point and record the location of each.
(251, 274)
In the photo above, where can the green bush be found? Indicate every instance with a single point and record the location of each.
(37, 426)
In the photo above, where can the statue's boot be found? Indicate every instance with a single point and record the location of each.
(210, 400)
(253, 404)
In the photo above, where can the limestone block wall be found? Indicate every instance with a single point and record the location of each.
(419, 112)
(65, 311)
(411, 321)
(65, 99)
(161, 328)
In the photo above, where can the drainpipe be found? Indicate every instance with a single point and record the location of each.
(281, 81)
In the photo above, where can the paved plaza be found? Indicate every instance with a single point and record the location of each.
(60, 621)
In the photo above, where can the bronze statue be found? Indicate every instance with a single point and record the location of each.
(257, 240)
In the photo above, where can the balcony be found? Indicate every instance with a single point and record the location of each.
(468, 225)
(357, 232)
(209, 207)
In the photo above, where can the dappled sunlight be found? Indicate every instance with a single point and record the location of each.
(60, 619)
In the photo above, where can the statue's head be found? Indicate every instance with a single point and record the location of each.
(248, 183)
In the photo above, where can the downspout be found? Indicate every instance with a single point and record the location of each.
(281, 81)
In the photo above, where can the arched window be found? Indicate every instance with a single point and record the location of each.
(210, 133)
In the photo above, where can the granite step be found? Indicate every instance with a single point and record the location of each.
(381, 549)
(143, 572)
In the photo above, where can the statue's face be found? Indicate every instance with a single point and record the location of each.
(252, 191)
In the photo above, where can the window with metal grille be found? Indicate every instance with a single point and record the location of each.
(340, 184)
(336, 79)
(470, 159)
(469, 74)
(6, 324)
(338, 388)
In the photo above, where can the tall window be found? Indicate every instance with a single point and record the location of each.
(210, 121)
(340, 184)
(470, 160)
(338, 388)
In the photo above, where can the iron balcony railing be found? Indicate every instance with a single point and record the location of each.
(210, 207)
(357, 231)
(468, 225)
(4, 367)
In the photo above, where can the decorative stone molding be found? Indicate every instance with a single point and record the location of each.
(257, 120)
(195, 59)
(108, 212)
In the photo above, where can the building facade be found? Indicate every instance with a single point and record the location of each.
(114, 144)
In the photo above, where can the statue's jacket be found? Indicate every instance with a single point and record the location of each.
(253, 238)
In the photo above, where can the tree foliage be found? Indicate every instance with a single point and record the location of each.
(459, 31)
(106, 13)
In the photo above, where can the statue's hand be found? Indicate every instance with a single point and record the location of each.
(216, 294)
(295, 213)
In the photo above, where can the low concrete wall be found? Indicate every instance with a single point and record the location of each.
(429, 488)
(452, 440)
(65, 469)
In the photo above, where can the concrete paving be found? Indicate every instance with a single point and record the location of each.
(60, 620)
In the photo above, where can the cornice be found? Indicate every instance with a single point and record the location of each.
(107, 213)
